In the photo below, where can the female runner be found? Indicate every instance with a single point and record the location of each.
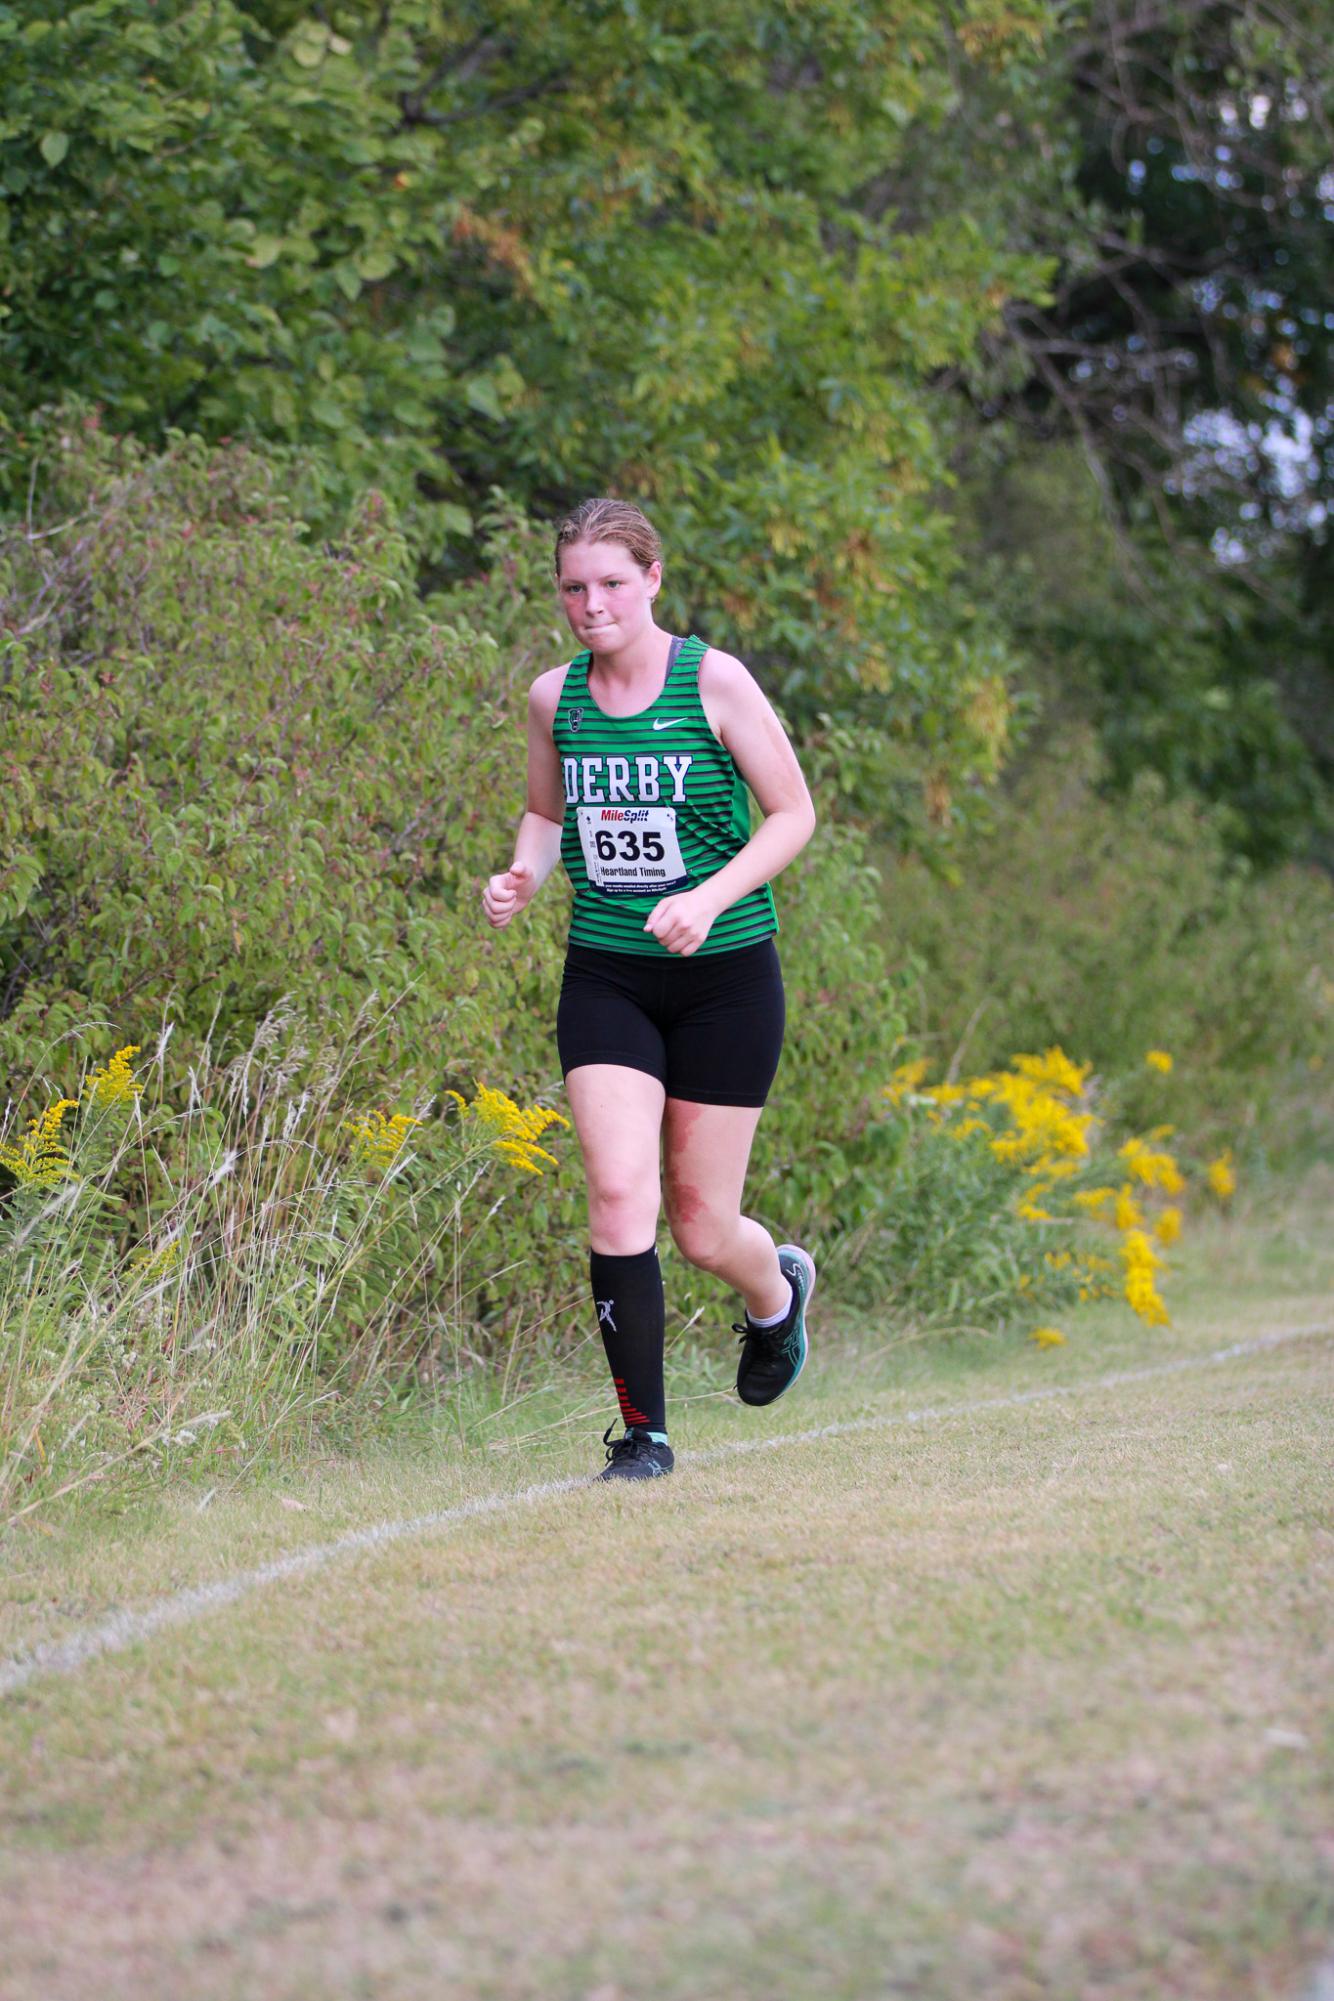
(670, 1019)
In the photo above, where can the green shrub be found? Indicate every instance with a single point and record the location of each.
(249, 783)
(1115, 926)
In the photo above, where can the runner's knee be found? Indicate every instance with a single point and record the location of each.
(622, 1213)
(700, 1234)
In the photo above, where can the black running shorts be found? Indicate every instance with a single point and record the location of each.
(709, 1028)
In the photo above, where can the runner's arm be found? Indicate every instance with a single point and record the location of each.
(749, 729)
(538, 839)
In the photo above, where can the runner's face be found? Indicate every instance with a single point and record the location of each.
(608, 598)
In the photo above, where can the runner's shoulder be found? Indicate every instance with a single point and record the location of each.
(727, 688)
(723, 674)
(545, 692)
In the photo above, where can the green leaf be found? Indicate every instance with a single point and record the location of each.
(264, 251)
(482, 395)
(54, 146)
(375, 263)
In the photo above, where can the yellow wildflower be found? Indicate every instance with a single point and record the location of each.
(1221, 1177)
(147, 1263)
(378, 1141)
(1168, 1227)
(1055, 1070)
(1042, 1128)
(1159, 1059)
(1155, 1170)
(514, 1129)
(1094, 1200)
(1048, 1337)
(114, 1084)
(906, 1078)
(41, 1158)
(1141, 1261)
(1128, 1214)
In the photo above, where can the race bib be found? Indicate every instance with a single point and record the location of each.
(632, 850)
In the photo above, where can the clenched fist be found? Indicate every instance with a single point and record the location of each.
(504, 894)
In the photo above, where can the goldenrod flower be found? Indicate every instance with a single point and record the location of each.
(1128, 1215)
(515, 1129)
(1155, 1170)
(1221, 1177)
(1044, 1132)
(1141, 1261)
(906, 1078)
(41, 1158)
(378, 1141)
(114, 1084)
(1159, 1059)
(1048, 1337)
(1096, 1201)
(1055, 1070)
(148, 1263)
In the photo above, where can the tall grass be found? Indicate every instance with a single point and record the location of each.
(183, 1283)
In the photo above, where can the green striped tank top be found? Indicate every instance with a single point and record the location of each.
(654, 805)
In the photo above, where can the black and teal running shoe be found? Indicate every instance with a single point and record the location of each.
(637, 1456)
(773, 1357)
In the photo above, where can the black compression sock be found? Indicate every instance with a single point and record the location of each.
(628, 1295)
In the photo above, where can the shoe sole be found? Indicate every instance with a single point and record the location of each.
(807, 1262)
(804, 1259)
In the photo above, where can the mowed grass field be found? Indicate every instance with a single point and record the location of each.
(1011, 1700)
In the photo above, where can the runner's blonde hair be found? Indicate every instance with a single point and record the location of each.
(605, 520)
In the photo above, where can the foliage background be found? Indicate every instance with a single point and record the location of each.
(973, 362)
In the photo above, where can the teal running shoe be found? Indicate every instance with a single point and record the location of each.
(773, 1357)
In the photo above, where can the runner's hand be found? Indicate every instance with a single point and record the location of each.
(683, 922)
(504, 894)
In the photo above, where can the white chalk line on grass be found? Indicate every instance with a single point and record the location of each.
(126, 1629)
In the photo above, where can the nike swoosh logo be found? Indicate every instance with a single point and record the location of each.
(670, 725)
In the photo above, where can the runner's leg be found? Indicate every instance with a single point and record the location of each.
(706, 1150)
(618, 1117)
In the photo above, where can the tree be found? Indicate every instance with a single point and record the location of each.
(1172, 158)
(555, 252)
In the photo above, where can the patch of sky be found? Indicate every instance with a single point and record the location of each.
(1223, 446)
